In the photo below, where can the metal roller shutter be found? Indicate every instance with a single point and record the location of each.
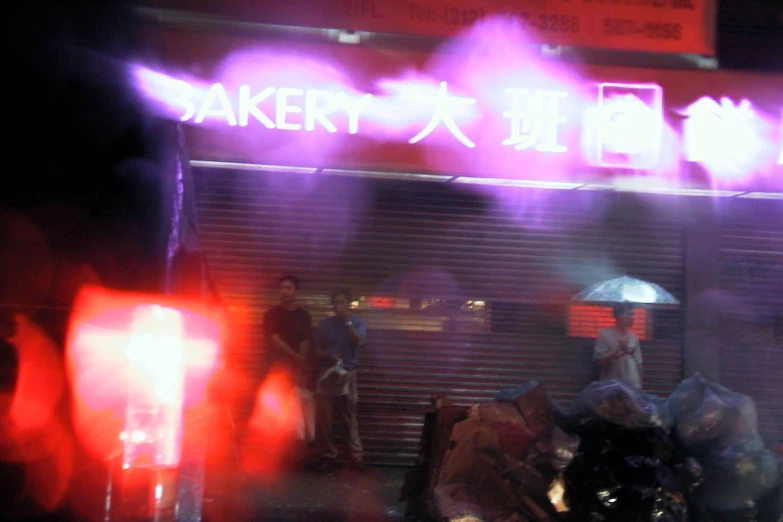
(471, 294)
(751, 247)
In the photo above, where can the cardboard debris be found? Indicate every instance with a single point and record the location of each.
(534, 403)
(457, 502)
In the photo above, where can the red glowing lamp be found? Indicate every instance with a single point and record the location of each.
(135, 363)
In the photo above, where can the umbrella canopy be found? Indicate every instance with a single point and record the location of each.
(624, 289)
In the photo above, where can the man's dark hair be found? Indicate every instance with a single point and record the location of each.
(343, 291)
(293, 279)
(620, 309)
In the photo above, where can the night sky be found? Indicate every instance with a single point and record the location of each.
(79, 137)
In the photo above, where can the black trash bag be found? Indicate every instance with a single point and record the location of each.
(770, 507)
(706, 413)
(610, 442)
(737, 475)
(619, 403)
(690, 474)
(602, 500)
(645, 472)
(670, 507)
(628, 474)
(596, 494)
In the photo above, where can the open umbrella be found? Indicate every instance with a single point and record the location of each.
(624, 289)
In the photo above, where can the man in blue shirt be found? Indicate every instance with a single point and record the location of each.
(338, 340)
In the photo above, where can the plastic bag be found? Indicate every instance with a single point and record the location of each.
(621, 404)
(707, 413)
(512, 394)
(305, 427)
(737, 475)
(553, 451)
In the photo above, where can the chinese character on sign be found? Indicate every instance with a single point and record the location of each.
(721, 133)
(535, 119)
(443, 106)
(628, 125)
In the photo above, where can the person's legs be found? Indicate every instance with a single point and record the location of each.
(324, 432)
(347, 412)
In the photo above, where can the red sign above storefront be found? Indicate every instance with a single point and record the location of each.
(468, 113)
(663, 26)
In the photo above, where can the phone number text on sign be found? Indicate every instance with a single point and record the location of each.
(549, 22)
(455, 17)
(646, 25)
(633, 29)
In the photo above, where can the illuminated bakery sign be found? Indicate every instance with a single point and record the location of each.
(305, 106)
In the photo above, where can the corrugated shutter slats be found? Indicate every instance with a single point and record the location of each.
(751, 248)
(414, 240)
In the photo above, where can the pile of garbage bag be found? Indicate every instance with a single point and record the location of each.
(628, 466)
(616, 454)
(696, 456)
(719, 428)
(620, 404)
(502, 461)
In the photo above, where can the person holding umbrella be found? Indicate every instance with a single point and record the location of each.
(617, 352)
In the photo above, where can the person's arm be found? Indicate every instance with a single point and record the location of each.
(304, 345)
(605, 354)
(281, 345)
(357, 331)
(637, 356)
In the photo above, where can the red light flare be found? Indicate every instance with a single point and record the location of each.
(101, 330)
(272, 427)
(32, 433)
(39, 385)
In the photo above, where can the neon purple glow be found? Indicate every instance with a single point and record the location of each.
(726, 137)
(174, 96)
(485, 104)
(535, 118)
(443, 106)
(525, 126)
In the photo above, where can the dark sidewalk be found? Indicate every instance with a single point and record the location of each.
(371, 496)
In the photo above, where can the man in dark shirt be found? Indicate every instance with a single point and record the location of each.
(338, 340)
(287, 330)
